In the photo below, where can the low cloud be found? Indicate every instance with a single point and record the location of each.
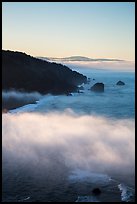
(84, 142)
(14, 99)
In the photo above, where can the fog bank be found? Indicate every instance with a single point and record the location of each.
(13, 99)
(86, 142)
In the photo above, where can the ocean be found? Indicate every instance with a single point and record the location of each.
(62, 147)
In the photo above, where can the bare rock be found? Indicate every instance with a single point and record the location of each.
(98, 87)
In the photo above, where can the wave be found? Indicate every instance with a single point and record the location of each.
(126, 192)
(24, 199)
(85, 175)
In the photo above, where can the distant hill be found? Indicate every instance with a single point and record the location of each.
(26, 73)
(80, 58)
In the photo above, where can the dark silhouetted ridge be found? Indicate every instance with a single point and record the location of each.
(26, 73)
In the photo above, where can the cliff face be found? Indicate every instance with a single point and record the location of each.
(24, 72)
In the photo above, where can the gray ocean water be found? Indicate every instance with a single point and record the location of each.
(62, 147)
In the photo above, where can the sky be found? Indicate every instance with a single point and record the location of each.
(63, 29)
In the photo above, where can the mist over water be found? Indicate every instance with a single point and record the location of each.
(13, 99)
(91, 142)
(44, 147)
(62, 147)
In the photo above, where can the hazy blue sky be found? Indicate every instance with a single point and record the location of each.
(91, 29)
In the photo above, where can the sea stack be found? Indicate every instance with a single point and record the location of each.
(96, 191)
(121, 83)
(98, 87)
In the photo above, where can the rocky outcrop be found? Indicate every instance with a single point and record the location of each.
(69, 94)
(96, 191)
(81, 88)
(26, 73)
(121, 83)
(98, 87)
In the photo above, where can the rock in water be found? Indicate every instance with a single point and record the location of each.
(81, 88)
(69, 94)
(96, 191)
(120, 83)
(98, 87)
